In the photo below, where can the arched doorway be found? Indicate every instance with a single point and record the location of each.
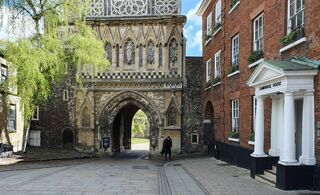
(122, 130)
(208, 124)
(116, 120)
(67, 139)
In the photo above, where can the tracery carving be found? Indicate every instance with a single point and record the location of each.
(150, 53)
(133, 7)
(166, 6)
(108, 49)
(96, 8)
(129, 7)
(129, 52)
(173, 51)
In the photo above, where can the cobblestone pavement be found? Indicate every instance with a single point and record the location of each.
(128, 173)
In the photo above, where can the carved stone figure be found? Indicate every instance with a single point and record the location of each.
(129, 53)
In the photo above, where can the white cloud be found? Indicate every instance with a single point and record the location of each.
(192, 17)
(193, 30)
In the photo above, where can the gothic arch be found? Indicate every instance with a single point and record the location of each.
(123, 99)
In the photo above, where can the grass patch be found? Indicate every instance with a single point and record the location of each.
(139, 140)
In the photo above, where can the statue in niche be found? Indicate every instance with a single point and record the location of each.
(172, 121)
(129, 52)
(85, 122)
(150, 53)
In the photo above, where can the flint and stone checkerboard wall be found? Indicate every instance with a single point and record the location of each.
(131, 75)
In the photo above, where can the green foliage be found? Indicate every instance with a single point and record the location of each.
(208, 84)
(233, 68)
(216, 80)
(216, 27)
(234, 134)
(139, 124)
(255, 56)
(39, 62)
(252, 137)
(292, 36)
(233, 3)
(207, 37)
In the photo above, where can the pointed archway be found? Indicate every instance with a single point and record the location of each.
(117, 115)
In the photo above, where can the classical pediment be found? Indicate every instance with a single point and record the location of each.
(264, 73)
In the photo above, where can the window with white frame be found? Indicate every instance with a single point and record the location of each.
(235, 115)
(4, 73)
(218, 12)
(209, 24)
(12, 118)
(254, 112)
(217, 65)
(208, 70)
(235, 50)
(35, 116)
(295, 14)
(258, 33)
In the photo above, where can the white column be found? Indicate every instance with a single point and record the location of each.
(289, 144)
(308, 131)
(275, 116)
(259, 134)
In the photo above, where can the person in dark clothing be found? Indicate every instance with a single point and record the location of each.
(166, 148)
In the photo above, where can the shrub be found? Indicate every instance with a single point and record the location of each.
(251, 138)
(208, 84)
(233, 3)
(216, 80)
(233, 68)
(255, 56)
(233, 134)
(292, 36)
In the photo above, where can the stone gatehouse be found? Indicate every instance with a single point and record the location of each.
(148, 71)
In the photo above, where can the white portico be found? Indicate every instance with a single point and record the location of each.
(290, 84)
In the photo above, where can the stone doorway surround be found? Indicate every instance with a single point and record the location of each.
(123, 100)
(285, 81)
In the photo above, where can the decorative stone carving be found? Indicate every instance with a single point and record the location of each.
(129, 52)
(99, 8)
(108, 49)
(96, 8)
(129, 7)
(166, 6)
(150, 53)
(173, 51)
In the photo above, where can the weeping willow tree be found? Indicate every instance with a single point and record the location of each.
(61, 39)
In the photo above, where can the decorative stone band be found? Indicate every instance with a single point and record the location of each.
(114, 8)
(131, 75)
(120, 86)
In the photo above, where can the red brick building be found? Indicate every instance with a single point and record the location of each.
(261, 86)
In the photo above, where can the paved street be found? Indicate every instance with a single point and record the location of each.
(129, 173)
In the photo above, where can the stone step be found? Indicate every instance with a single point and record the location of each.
(264, 179)
(274, 168)
(271, 175)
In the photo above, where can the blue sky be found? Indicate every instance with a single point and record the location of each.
(193, 28)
